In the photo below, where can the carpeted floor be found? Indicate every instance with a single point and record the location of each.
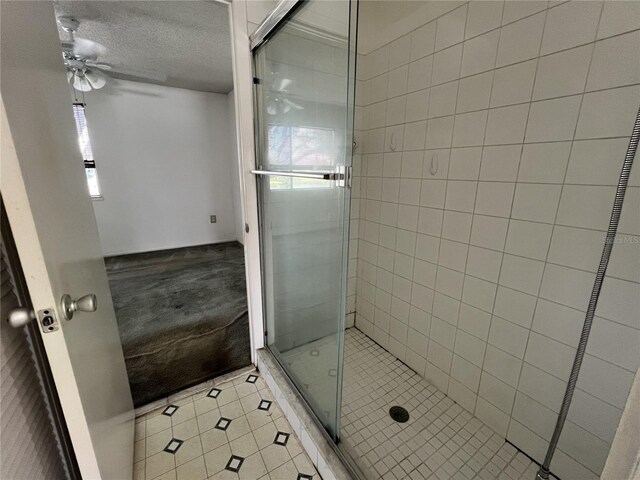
(182, 316)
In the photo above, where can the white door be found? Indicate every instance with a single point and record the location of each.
(43, 185)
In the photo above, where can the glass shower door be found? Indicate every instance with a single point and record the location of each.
(304, 104)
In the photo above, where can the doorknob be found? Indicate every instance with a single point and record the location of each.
(86, 303)
(19, 317)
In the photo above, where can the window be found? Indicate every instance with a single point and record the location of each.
(85, 149)
(300, 148)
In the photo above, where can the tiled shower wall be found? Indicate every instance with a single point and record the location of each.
(490, 141)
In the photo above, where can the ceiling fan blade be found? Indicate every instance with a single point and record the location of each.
(139, 73)
(81, 84)
(88, 49)
(293, 104)
(96, 78)
(99, 65)
(284, 83)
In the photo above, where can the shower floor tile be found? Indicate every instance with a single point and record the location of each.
(232, 431)
(440, 441)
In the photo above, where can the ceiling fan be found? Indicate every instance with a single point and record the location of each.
(80, 55)
(277, 102)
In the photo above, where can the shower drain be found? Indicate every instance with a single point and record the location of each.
(399, 414)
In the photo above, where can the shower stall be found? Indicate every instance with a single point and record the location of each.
(432, 222)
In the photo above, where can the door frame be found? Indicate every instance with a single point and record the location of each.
(243, 97)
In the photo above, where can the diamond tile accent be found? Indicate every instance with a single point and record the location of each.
(234, 463)
(223, 423)
(173, 446)
(251, 379)
(214, 392)
(304, 476)
(170, 410)
(281, 438)
(248, 445)
(265, 405)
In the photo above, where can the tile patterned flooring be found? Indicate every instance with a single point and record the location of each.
(232, 431)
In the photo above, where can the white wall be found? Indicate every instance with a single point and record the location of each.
(165, 158)
(477, 273)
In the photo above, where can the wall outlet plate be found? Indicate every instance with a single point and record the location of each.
(213, 218)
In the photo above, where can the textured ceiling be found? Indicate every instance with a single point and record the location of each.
(188, 41)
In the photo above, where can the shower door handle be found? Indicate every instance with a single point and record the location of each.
(341, 175)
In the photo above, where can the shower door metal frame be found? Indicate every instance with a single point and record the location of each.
(267, 28)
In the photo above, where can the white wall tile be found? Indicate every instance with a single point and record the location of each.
(423, 41)
(544, 162)
(474, 321)
(622, 338)
(492, 416)
(480, 53)
(536, 202)
(470, 348)
(469, 129)
(483, 16)
(484, 263)
(446, 64)
(520, 40)
(517, 307)
(479, 293)
(609, 113)
(417, 106)
(586, 206)
(506, 125)
(516, 10)
(553, 120)
(466, 373)
(521, 274)
(528, 239)
(513, 84)
(399, 52)
(464, 163)
(474, 92)
(571, 24)
(498, 393)
(590, 162)
(619, 17)
(489, 232)
(450, 28)
(508, 336)
(397, 81)
(550, 356)
(456, 226)
(462, 395)
(461, 195)
(563, 73)
(494, 198)
(500, 163)
(605, 381)
(419, 75)
(615, 62)
(502, 365)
